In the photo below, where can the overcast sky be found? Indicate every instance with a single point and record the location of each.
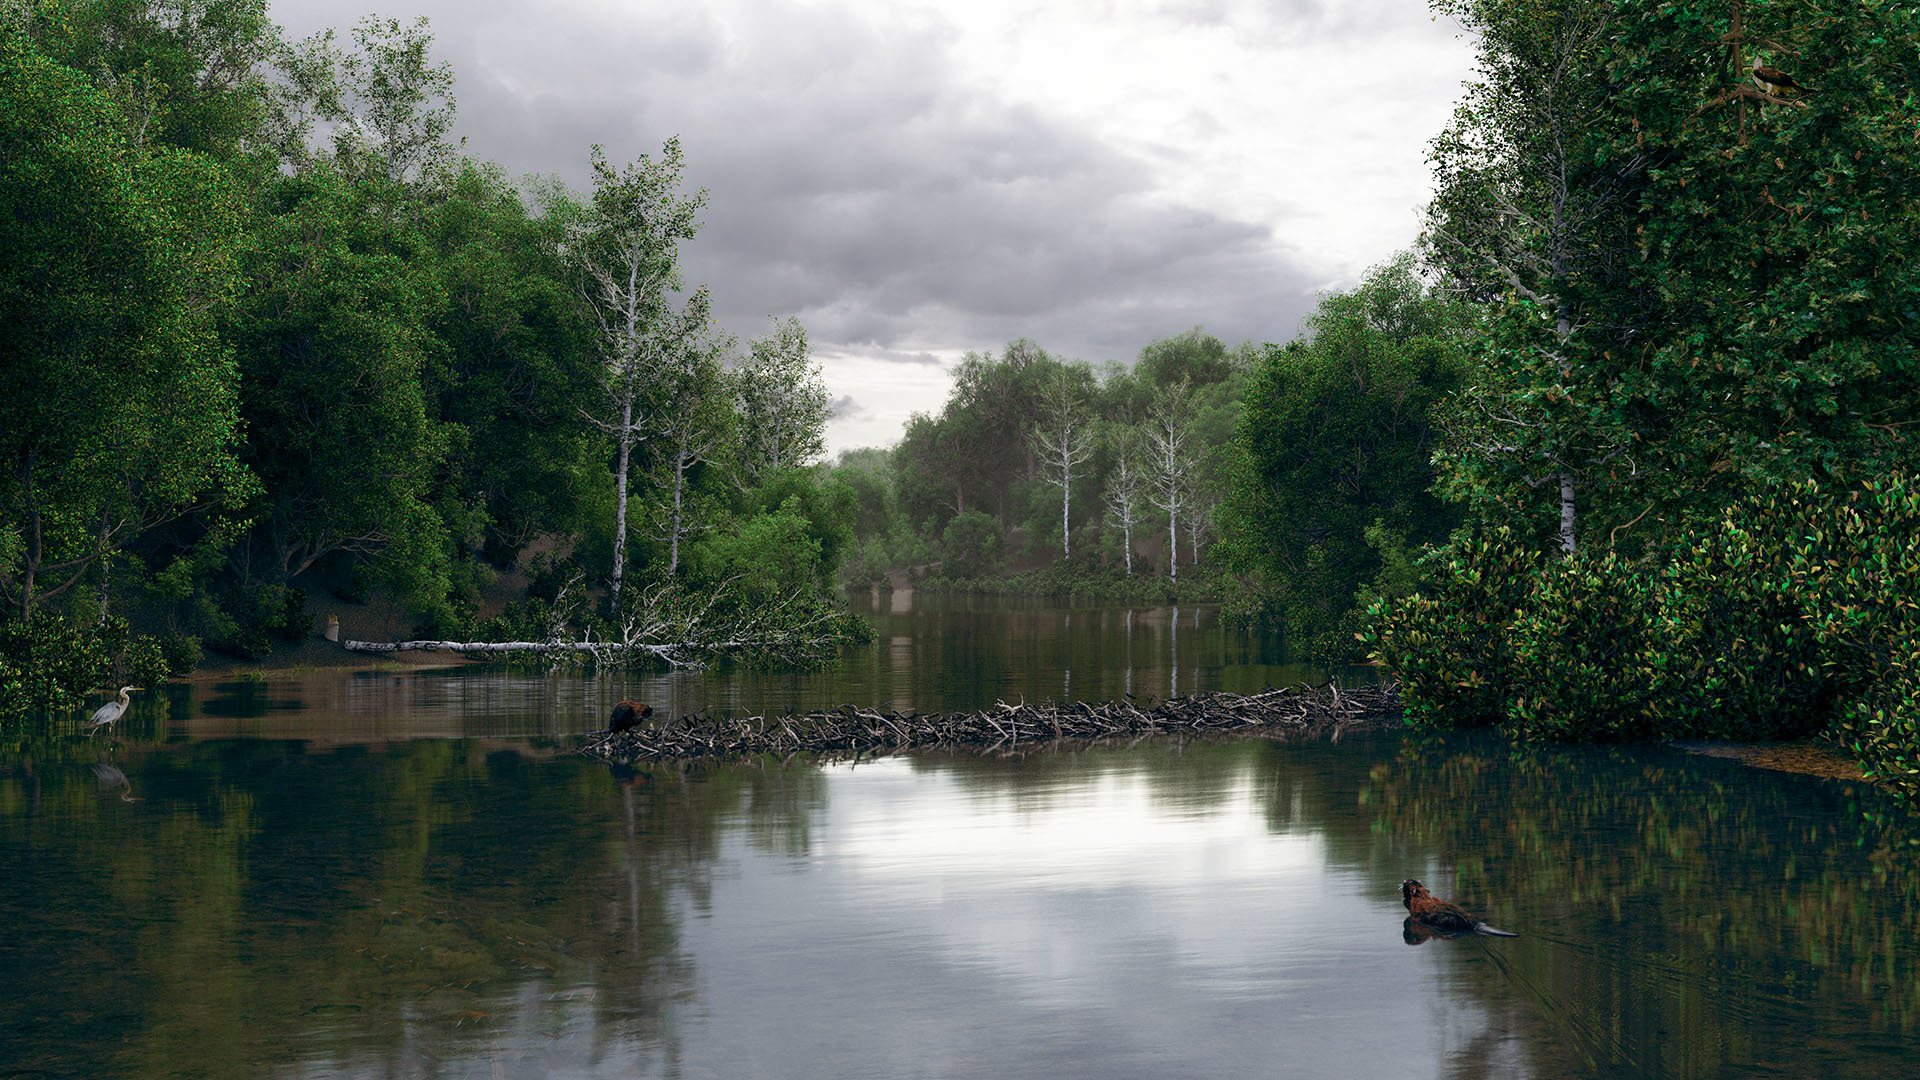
(915, 179)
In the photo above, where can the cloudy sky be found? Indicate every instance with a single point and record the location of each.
(915, 179)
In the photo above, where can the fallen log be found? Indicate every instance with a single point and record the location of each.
(1320, 710)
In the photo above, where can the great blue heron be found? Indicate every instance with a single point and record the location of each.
(113, 710)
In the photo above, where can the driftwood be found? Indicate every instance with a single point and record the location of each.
(1327, 709)
(597, 647)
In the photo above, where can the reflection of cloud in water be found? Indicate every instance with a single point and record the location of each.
(1099, 927)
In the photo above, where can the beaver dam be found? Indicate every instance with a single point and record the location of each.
(1314, 710)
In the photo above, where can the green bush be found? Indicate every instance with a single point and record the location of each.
(1858, 562)
(253, 614)
(50, 663)
(1581, 645)
(1449, 644)
(971, 545)
(1794, 612)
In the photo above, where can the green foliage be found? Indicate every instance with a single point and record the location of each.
(249, 617)
(1792, 614)
(1335, 440)
(49, 663)
(762, 558)
(120, 411)
(1450, 644)
(971, 545)
(1858, 562)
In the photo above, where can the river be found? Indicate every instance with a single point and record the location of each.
(411, 874)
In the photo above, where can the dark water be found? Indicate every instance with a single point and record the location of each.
(373, 900)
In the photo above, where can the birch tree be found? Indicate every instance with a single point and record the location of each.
(628, 253)
(1064, 442)
(1531, 216)
(1125, 484)
(783, 403)
(1169, 463)
(694, 420)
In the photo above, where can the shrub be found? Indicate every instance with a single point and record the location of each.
(1449, 643)
(1793, 612)
(1581, 652)
(971, 545)
(49, 663)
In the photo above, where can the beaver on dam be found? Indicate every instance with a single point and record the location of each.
(1436, 915)
(627, 715)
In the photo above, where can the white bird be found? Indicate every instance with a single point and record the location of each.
(111, 711)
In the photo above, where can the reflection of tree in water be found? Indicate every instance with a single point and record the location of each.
(1681, 917)
(385, 910)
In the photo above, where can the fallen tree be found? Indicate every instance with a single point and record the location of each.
(1326, 709)
(668, 626)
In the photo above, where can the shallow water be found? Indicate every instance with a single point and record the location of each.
(493, 904)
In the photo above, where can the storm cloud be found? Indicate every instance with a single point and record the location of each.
(913, 183)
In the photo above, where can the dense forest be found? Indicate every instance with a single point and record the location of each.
(1621, 448)
(267, 333)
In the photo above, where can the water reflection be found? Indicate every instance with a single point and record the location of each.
(464, 907)
(932, 654)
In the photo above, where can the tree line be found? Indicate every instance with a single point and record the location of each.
(266, 329)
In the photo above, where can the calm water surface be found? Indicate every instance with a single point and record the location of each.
(413, 875)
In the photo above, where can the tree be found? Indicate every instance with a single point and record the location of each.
(1530, 216)
(520, 365)
(1336, 438)
(1772, 251)
(1064, 440)
(120, 410)
(1125, 484)
(783, 403)
(397, 105)
(628, 253)
(1170, 463)
(336, 343)
(695, 421)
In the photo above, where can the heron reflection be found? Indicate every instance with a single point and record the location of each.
(111, 777)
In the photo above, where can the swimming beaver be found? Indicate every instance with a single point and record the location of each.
(1439, 916)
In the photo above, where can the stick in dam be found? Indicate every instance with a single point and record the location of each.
(850, 729)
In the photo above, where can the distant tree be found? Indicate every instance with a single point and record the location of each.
(1125, 485)
(628, 251)
(783, 403)
(1065, 440)
(1170, 462)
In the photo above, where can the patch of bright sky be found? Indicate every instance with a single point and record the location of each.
(1312, 119)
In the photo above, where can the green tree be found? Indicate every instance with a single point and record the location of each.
(782, 403)
(1335, 439)
(628, 251)
(336, 346)
(120, 408)
(519, 356)
(1531, 216)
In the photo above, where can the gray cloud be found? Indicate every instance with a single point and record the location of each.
(845, 407)
(854, 181)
